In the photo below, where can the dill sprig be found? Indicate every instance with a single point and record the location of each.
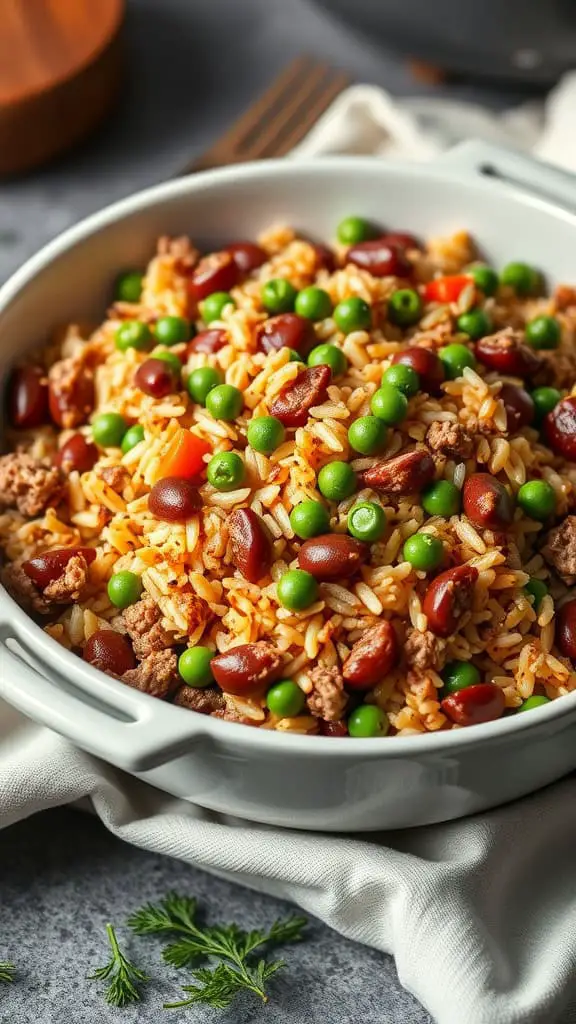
(123, 974)
(7, 971)
(238, 968)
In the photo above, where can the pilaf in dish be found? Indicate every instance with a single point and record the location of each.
(310, 489)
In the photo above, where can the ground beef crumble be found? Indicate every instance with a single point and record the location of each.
(24, 590)
(450, 439)
(560, 550)
(181, 250)
(207, 701)
(143, 623)
(327, 698)
(115, 476)
(424, 650)
(28, 484)
(70, 585)
(71, 390)
(156, 675)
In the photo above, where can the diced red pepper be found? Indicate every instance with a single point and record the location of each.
(184, 457)
(446, 289)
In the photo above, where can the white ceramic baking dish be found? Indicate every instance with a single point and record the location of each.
(297, 781)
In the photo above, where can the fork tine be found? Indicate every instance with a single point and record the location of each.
(288, 133)
(280, 117)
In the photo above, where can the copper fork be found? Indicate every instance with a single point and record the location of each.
(279, 118)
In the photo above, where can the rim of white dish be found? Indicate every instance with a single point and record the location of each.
(352, 748)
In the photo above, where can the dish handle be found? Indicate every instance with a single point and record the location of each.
(110, 721)
(513, 168)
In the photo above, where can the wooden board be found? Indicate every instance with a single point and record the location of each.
(60, 64)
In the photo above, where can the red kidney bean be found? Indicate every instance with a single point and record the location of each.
(77, 454)
(247, 669)
(332, 556)
(483, 702)
(325, 259)
(174, 499)
(250, 543)
(292, 404)
(247, 256)
(28, 397)
(486, 502)
(402, 239)
(215, 273)
(156, 378)
(566, 629)
(519, 406)
(71, 402)
(380, 258)
(371, 657)
(332, 728)
(448, 597)
(110, 652)
(404, 474)
(287, 330)
(427, 365)
(506, 354)
(44, 569)
(210, 341)
(560, 428)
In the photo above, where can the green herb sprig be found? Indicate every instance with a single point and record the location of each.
(123, 974)
(7, 971)
(238, 968)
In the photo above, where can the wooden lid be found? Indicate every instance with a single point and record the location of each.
(59, 70)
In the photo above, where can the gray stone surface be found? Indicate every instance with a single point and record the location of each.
(192, 67)
(62, 877)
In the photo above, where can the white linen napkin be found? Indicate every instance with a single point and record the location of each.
(479, 914)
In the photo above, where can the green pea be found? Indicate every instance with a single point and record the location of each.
(309, 519)
(329, 355)
(133, 334)
(313, 303)
(194, 666)
(367, 721)
(265, 434)
(543, 332)
(129, 287)
(336, 481)
(171, 330)
(455, 358)
(297, 590)
(168, 357)
(545, 399)
(423, 551)
(124, 588)
(225, 402)
(367, 435)
(484, 278)
(226, 471)
(133, 436)
(457, 675)
(352, 230)
(278, 295)
(441, 498)
(403, 378)
(201, 382)
(108, 429)
(214, 304)
(536, 701)
(367, 521)
(285, 699)
(537, 498)
(522, 278)
(352, 315)
(537, 589)
(404, 307)
(389, 405)
(475, 323)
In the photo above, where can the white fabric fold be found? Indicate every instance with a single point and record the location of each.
(480, 914)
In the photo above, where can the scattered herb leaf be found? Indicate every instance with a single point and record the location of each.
(123, 974)
(7, 971)
(232, 946)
